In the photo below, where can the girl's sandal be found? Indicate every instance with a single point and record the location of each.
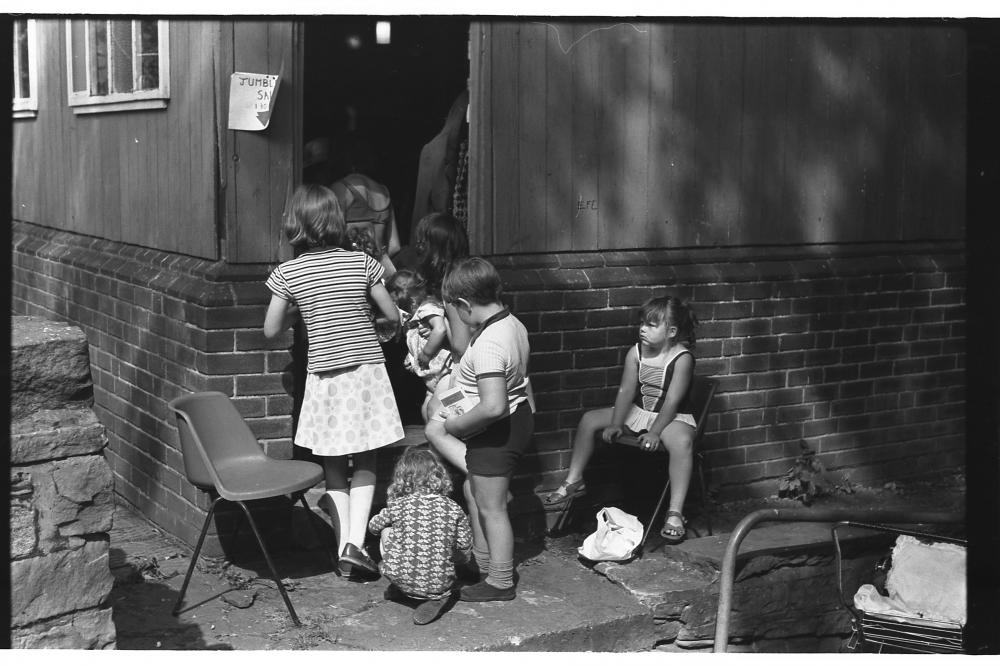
(564, 493)
(672, 534)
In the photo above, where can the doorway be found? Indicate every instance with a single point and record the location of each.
(395, 94)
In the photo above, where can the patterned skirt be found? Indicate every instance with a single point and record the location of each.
(348, 411)
(639, 419)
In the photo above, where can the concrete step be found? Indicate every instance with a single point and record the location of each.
(49, 366)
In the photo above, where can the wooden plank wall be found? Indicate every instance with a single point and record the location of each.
(612, 135)
(261, 166)
(140, 177)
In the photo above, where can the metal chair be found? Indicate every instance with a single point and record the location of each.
(702, 391)
(223, 457)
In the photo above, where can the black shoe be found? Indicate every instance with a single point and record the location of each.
(432, 609)
(485, 592)
(355, 559)
(468, 571)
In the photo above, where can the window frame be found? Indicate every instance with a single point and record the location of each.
(82, 101)
(27, 107)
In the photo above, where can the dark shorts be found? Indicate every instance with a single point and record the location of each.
(496, 450)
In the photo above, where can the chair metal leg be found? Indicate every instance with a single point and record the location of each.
(270, 564)
(704, 495)
(194, 557)
(656, 512)
(312, 520)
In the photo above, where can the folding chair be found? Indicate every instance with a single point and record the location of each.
(702, 391)
(223, 457)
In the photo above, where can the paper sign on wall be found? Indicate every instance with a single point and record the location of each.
(251, 100)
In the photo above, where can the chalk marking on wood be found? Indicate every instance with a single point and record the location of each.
(586, 34)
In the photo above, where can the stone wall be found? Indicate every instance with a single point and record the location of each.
(858, 350)
(62, 502)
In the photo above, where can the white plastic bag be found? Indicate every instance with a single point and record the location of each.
(615, 539)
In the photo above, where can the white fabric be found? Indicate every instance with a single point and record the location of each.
(639, 419)
(349, 411)
(416, 342)
(615, 539)
(929, 579)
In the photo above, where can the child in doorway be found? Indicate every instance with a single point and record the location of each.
(348, 407)
(423, 533)
(497, 429)
(426, 331)
(653, 402)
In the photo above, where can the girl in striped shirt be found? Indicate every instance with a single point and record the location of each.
(348, 408)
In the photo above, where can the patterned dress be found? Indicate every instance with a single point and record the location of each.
(424, 536)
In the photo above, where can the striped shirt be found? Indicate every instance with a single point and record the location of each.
(498, 349)
(331, 288)
(654, 380)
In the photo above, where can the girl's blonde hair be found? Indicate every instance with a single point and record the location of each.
(315, 218)
(419, 472)
(674, 312)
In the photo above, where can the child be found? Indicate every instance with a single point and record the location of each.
(348, 407)
(426, 332)
(493, 372)
(653, 402)
(423, 533)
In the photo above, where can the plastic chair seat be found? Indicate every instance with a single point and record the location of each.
(245, 480)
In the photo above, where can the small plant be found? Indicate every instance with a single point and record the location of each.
(806, 479)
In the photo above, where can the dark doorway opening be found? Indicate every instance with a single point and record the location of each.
(395, 95)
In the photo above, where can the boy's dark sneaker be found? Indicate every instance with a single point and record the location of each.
(432, 609)
(483, 591)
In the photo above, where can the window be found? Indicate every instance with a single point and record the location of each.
(117, 65)
(25, 95)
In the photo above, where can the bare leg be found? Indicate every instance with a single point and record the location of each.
(591, 423)
(479, 542)
(362, 493)
(678, 438)
(490, 494)
(450, 447)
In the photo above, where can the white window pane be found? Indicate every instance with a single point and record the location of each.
(121, 55)
(98, 44)
(79, 44)
(22, 81)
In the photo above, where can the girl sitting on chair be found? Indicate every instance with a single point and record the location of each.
(653, 403)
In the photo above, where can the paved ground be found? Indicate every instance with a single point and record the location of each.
(562, 603)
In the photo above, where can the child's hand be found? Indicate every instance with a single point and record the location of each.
(611, 433)
(648, 441)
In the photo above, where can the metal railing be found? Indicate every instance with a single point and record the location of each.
(728, 573)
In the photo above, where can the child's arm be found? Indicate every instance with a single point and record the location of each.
(458, 332)
(683, 371)
(463, 536)
(385, 303)
(380, 521)
(434, 341)
(623, 400)
(492, 406)
(281, 314)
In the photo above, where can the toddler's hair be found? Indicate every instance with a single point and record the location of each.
(315, 218)
(419, 471)
(675, 312)
(408, 289)
(474, 279)
(441, 240)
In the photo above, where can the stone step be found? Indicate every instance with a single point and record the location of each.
(49, 366)
(50, 434)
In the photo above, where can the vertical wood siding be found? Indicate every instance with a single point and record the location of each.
(630, 135)
(261, 166)
(140, 177)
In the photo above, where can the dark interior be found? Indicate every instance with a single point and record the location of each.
(396, 95)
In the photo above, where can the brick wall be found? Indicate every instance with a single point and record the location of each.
(858, 350)
(158, 326)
